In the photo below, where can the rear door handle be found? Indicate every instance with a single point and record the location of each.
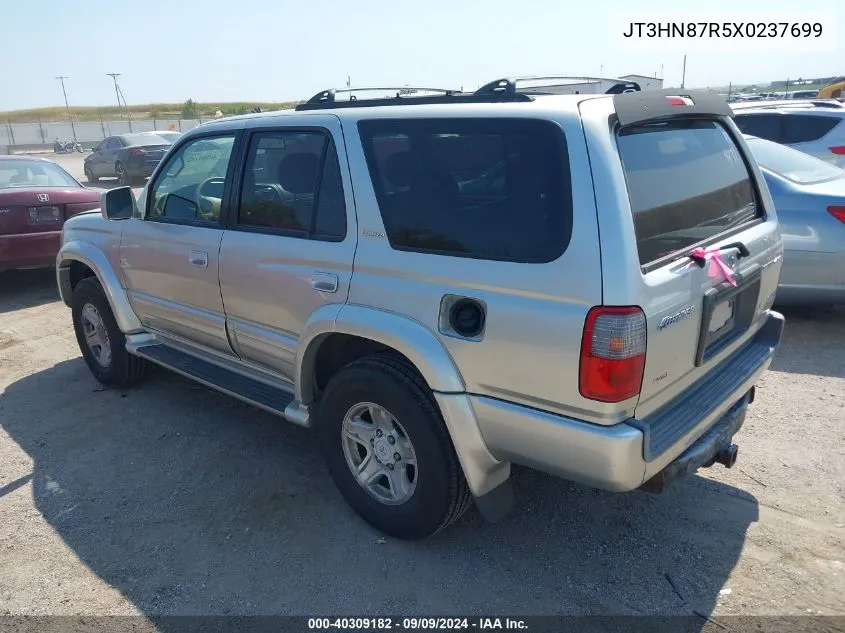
(324, 282)
(199, 259)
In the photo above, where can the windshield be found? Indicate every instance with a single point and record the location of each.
(146, 139)
(33, 173)
(170, 137)
(791, 164)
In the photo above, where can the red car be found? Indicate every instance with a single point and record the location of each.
(36, 197)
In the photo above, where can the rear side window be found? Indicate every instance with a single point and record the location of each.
(802, 128)
(292, 183)
(687, 182)
(765, 126)
(496, 189)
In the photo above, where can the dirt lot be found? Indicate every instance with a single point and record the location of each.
(172, 499)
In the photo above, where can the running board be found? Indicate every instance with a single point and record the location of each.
(233, 383)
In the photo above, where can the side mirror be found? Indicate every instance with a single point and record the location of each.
(118, 204)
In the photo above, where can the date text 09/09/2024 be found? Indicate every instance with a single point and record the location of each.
(723, 29)
(416, 624)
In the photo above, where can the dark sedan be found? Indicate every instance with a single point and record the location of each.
(129, 157)
(36, 197)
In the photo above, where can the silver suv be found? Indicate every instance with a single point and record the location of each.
(815, 127)
(443, 284)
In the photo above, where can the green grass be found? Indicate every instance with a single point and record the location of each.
(146, 111)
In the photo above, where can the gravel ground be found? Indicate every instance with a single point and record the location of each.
(173, 499)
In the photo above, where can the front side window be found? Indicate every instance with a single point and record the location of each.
(496, 189)
(292, 183)
(687, 182)
(190, 188)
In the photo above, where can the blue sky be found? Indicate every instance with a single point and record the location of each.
(273, 50)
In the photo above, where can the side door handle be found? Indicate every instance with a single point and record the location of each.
(324, 282)
(199, 259)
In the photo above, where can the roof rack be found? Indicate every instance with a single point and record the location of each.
(788, 103)
(508, 85)
(495, 91)
(403, 95)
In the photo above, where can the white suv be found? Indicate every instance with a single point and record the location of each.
(816, 127)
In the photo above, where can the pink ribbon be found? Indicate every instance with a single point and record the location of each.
(714, 256)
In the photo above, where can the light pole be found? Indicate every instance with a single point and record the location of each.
(67, 107)
(119, 93)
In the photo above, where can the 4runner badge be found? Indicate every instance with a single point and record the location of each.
(367, 233)
(672, 319)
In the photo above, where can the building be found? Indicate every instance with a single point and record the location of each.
(646, 83)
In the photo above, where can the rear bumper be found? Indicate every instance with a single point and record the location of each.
(811, 277)
(29, 250)
(141, 169)
(623, 456)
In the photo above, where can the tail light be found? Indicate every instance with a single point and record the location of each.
(675, 100)
(136, 152)
(613, 353)
(837, 212)
(839, 150)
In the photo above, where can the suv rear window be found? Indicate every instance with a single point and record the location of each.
(496, 189)
(803, 128)
(686, 181)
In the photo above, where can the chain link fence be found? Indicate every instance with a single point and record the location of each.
(42, 135)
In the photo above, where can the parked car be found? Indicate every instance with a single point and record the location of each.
(814, 127)
(36, 197)
(571, 315)
(802, 94)
(129, 157)
(809, 195)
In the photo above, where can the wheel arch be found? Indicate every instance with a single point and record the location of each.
(387, 331)
(71, 257)
(377, 330)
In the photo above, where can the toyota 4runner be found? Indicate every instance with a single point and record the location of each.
(442, 284)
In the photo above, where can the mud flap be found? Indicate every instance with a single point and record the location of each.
(496, 504)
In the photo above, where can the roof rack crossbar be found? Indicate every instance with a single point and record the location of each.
(329, 95)
(508, 85)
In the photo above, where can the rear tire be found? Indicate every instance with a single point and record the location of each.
(100, 340)
(385, 391)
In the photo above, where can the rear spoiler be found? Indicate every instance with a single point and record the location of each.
(653, 105)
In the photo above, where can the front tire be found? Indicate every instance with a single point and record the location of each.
(388, 450)
(89, 175)
(100, 340)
